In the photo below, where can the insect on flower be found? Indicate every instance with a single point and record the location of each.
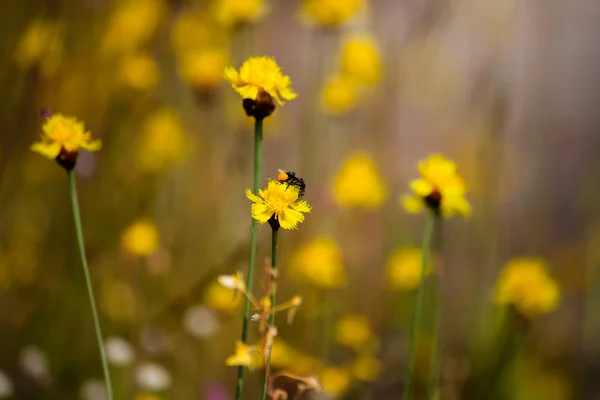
(291, 179)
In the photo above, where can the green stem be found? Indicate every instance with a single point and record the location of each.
(272, 317)
(416, 325)
(258, 132)
(434, 378)
(88, 281)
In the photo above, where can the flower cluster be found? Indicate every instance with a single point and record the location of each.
(279, 205)
(259, 81)
(525, 284)
(440, 188)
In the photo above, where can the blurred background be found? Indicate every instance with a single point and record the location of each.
(508, 90)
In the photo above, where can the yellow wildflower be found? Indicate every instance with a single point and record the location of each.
(282, 354)
(260, 74)
(141, 238)
(220, 298)
(41, 44)
(361, 59)
(139, 71)
(404, 268)
(203, 69)
(358, 183)
(366, 368)
(244, 356)
(163, 141)
(64, 136)
(194, 30)
(526, 284)
(330, 12)
(132, 23)
(340, 94)
(235, 12)
(320, 262)
(280, 202)
(353, 331)
(335, 380)
(440, 188)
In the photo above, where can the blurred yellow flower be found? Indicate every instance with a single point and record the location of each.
(361, 59)
(220, 298)
(340, 94)
(246, 356)
(139, 71)
(330, 12)
(141, 238)
(358, 183)
(203, 69)
(526, 284)
(163, 141)
(235, 12)
(64, 134)
(282, 354)
(353, 331)
(117, 300)
(194, 30)
(440, 188)
(131, 24)
(335, 380)
(404, 268)
(319, 262)
(41, 44)
(281, 202)
(260, 74)
(366, 368)
(305, 364)
(147, 396)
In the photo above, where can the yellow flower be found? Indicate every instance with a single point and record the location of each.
(320, 262)
(330, 12)
(358, 183)
(41, 43)
(147, 396)
(64, 134)
(220, 298)
(132, 23)
(163, 141)
(194, 30)
(282, 354)
(335, 380)
(281, 202)
(203, 69)
(526, 284)
(404, 268)
(361, 59)
(139, 71)
(244, 356)
(260, 74)
(366, 368)
(353, 331)
(141, 238)
(440, 188)
(340, 94)
(234, 12)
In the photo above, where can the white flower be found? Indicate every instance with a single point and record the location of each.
(6, 386)
(200, 321)
(119, 351)
(34, 363)
(93, 389)
(152, 377)
(233, 282)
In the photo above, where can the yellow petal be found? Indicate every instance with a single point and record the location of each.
(232, 76)
(301, 206)
(253, 197)
(421, 187)
(49, 150)
(261, 212)
(289, 219)
(91, 145)
(413, 204)
(287, 93)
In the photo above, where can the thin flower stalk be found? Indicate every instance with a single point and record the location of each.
(258, 133)
(418, 307)
(88, 282)
(274, 238)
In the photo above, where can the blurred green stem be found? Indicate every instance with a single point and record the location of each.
(258, 132)
(272, 317)
(434, 378)
(416, 324)
(88, 281)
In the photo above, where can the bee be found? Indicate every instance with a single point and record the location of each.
(291, 179)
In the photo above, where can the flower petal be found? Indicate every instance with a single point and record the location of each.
(421, 187)
(262, 212)
(289, 219)
(413, 204)
(49, 150)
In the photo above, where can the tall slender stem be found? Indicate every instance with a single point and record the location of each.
(258, 132)
(88, 281)
(272, 317)
(416, 324)
(434, 377)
